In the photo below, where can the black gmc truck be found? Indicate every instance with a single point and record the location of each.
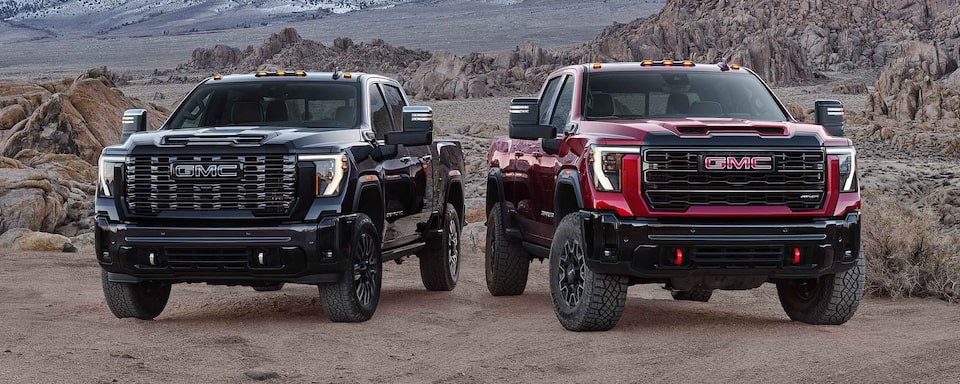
(279, 177)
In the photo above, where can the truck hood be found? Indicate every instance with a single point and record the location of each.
(234, 139)
(711, 131)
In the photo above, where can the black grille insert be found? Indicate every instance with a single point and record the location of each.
(675, 179)
(264, 184)
(207, 258)
(737, 256)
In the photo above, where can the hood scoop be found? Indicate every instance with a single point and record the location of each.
(215, 137)
(706, 130)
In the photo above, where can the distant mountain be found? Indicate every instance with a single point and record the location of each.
(22, 10)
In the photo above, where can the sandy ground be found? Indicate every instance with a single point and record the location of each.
(55, 327)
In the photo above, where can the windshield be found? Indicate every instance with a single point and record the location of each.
(674, 94)
(269, 103)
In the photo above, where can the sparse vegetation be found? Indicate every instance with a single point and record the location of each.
(909, 252)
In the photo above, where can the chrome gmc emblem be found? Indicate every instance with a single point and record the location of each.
(737, 163)
(206, 171)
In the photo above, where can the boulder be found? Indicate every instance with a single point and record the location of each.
(42, 241)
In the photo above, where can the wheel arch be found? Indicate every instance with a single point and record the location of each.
(568, 196)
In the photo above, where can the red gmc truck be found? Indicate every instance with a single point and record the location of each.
(694, 176)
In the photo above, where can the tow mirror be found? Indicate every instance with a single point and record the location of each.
(830, 116)
(134, 120)
(417, 128)
(525, 121)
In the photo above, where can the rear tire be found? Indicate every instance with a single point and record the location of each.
(143, 301)
(582, 299)
(440, 260)
(506, 263)
(268, 288)
(697, 294)
(828, 300)
(354, 298)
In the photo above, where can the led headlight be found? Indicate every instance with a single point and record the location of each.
(607, 164)
(848, 167)
(330, 172)
(106, 175)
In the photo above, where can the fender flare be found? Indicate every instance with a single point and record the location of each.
(495, 184)
(365, 182)
(454, 178)
(567, 178)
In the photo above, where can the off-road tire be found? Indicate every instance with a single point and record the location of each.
(697, 294)
(268, 288)
(440, 259)
(143, 301)
(506, 263)
(354, 298)
(601, 297)
(831, 300)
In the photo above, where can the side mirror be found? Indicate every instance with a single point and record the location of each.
(417, 128)
(830, 116)
(134, 120)
(525, 121)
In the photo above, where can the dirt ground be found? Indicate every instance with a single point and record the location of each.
(55, 327)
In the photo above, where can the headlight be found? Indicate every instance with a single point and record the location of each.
(607, 164)
(848, 167)
(330, 172)
(106, 175)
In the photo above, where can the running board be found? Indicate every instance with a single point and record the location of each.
(405, 250)
(538, 251)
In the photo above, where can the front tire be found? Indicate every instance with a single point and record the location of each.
(143, 301)
(582, 299)
(440, 260)
(354, 298)
(828, 300)
(506, 263)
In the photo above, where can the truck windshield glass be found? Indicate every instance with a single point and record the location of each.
(675, 94)
(270, 103)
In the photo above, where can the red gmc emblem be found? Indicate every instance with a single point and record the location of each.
(737, 163)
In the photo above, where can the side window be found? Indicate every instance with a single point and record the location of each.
(396, 103)
(379, 116)
(561, 112)
(546, 99)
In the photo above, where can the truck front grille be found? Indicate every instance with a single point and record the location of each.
(675, 179)
(263, 184)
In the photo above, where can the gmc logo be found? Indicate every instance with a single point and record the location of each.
(206, 171)
(738, 163)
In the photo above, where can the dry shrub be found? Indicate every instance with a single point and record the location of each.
(909, 252)
(476, 215)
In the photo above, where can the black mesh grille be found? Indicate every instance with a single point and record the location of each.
(674, 179)
(264, 184)
(734, 256)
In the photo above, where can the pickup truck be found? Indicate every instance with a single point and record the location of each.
(693, 176)
(279, 177)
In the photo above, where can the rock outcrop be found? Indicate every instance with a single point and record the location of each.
(72, 116)
(46, 192)
(785, 42)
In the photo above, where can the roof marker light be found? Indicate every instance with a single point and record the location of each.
(596, 65)
(667, 63)
(217, 77)
(347, 75)
(735, 67)
(647, 63)
(688, 64)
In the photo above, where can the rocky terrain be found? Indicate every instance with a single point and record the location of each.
(52, 135)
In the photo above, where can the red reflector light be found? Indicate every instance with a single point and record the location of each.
(679, 258)
(796, 256)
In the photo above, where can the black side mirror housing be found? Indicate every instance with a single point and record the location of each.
(525, 121)
(134, 120)
(829, 114)
(417, 127)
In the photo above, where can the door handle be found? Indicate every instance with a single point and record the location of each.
(538, 154)
(405, 160)
(426, 158)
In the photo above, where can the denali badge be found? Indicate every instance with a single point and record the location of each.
(206, 171)
(737, 163)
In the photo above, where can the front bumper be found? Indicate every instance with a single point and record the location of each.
(307, 253)
(648, 249)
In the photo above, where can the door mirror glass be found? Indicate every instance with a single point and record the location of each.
(134, 120)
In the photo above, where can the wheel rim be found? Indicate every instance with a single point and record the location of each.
(365, 270)
(453, 249)
(571, 273)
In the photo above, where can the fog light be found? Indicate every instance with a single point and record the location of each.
(327, 254)
(260, 258)
(105, 256)
(152, 258)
